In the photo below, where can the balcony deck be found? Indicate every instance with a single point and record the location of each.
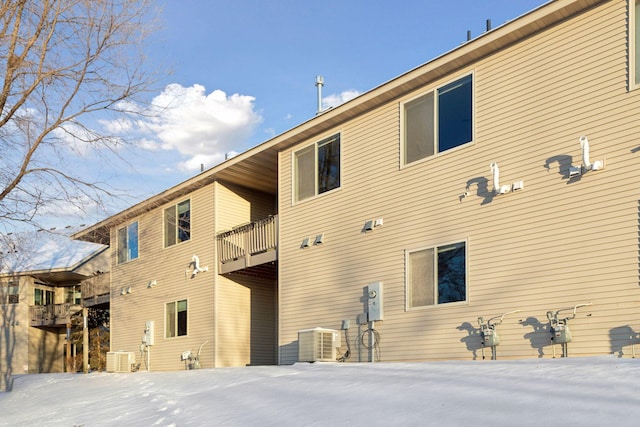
(95, 290)
(248, 246)
(53, 315)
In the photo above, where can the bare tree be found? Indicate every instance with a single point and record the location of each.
(65, 64)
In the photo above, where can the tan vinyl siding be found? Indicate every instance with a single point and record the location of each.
(221, 312)
(14, 328)
(246, 321)
(236, 205)
(245, 306)
(554, 244)
(46, 350)
(168, 267)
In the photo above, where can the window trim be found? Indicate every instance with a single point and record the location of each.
(164, 223)
(294, 170)
(407, 283)
(176, 320)
(128, 246)
(633, 36)
(433, 90)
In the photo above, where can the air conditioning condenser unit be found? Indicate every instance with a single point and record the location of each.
(318, 345)
(120, 361)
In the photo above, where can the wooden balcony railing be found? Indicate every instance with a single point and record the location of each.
(95, 290)
(53, 314)
(248, 245)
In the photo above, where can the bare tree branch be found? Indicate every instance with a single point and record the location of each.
(65, 63)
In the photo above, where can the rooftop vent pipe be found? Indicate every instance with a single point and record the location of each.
(319, 84)
(488, 23)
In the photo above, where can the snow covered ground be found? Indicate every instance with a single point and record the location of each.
(596, 391)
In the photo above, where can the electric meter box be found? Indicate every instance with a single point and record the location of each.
(148, 332)
(374, 294)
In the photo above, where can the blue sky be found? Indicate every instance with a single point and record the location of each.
(236, 73)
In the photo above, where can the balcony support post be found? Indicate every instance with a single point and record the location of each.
(85, 340)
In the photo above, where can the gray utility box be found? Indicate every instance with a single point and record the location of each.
(560, 334)
(490, 338)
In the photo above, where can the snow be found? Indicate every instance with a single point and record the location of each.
(593, 391)
(43, 251)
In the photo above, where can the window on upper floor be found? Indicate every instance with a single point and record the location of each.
(43, 297)
(9, 294)
(436, 275)
(128, 242)
(177, 223)
(634, 44)
(72, 295)
(176, 319)
(438, 121)
(317, 168)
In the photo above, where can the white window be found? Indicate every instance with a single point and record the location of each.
(436, 275)
(176, 319)
(634, 43)
(177, 223)
(317, 168)
(438, 121)
(128, 243)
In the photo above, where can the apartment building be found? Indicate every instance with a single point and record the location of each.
(491, 190)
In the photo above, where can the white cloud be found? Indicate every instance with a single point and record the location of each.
(201, 127)
(118, 126)
(81, 139)
(148, 144)
(334, 100)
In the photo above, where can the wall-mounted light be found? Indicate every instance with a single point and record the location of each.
(152, 283)
(319, 239)
(306, 242)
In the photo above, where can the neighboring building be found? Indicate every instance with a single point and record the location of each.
(42, 277)
(461, 189)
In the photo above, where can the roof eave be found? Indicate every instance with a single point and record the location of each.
(265, 155)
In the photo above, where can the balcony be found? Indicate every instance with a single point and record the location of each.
(95, 290)
(54, 315)
(248, 246)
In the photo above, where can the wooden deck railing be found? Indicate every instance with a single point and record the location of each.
(248, 245)
(95, 290)
(53, 314)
